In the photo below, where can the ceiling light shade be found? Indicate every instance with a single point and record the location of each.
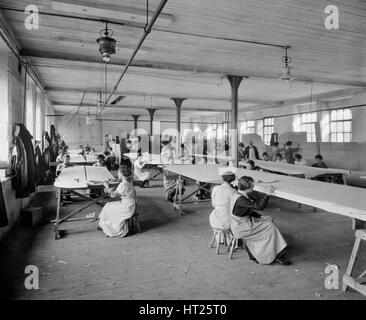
(286, 74)
(286, 70)
(107, 45)
(100, 103)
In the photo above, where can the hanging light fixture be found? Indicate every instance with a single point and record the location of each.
(100, 103)
(88, 119)
(107, 45)
(286, 71)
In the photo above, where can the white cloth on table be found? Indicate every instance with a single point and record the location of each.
(113, 218)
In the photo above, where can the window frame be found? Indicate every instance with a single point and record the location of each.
(266, 126)
(246, 126)
(340, 135)
(305, 124)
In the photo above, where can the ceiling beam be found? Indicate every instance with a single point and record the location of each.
(336, 94)
(120, 62)
(88, 105)
(175, 67)
(51, 89)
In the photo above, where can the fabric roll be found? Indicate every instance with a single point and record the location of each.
(25, 167)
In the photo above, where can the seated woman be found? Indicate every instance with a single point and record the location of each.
(61, 157)
(263, 240)
(319, 162)
(64, 164)
(169, 179)
(221, 196)
(279, 158)
(167, 153)
(184, 154)
(107, 159)
(252, 166)
(115, 217)
(299, 160)
(65, 194)
(141, 173)
(100, 161)
(265, 156)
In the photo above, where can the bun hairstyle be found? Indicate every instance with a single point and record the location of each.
(125, 171)
(245, 183)
(228, 177)
(319, 156)
(251, 162)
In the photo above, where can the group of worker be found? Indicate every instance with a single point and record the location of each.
(234, 205)
(287, 154)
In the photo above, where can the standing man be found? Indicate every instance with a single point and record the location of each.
(251, 152)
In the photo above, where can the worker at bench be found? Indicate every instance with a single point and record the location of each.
(263, 240)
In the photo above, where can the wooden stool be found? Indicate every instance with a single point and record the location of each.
(233, 245)
(359, 283)
(222, 235)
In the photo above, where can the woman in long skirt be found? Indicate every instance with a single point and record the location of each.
(264, 242)
(114, 219)
(221, 197)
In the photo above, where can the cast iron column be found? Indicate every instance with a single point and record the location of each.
(234, 83)
(135, 118)
(178, 103)
(151, 113)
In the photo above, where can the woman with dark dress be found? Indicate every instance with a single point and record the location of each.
(263, 240)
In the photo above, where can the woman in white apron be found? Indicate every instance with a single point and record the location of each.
(141, 172)
(220, 215)
(263, 240)
(115, 217)
(221, 197)
(170, 180)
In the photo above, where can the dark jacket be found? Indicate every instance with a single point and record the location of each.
(246, 152)
(244, 206)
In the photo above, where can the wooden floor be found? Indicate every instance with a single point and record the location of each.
(171, 258)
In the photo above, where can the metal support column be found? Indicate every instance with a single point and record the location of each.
(151, 113)
(178, 103)
(234, 83)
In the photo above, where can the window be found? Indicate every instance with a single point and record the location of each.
(268, 129)
(341, 125)
(29, 109)
(39, 116)
(307, 124)
(4, 119)
(247, 127)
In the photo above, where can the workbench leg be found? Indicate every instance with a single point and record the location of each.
(180, 194)
(352, 261)
(57, 232)
(175, 202)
